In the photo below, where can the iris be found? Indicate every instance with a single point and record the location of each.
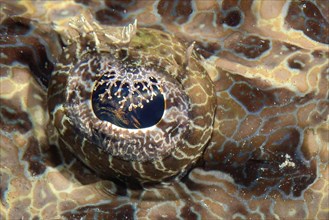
(112, 104)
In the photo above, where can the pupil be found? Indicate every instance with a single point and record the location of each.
(114, 104)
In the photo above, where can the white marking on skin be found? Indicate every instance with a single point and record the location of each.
(288, 162)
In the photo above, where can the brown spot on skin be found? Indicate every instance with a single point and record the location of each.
(189, 212)
(299, 62)
(313, 28)
(306, 16)
(115, 12)
(114, 6)
(175, 13)
(233, 18)
(16, 26)
(33, 157)
(106, 16)
(12, 119)
(320, 54)
(295, 64)
(251, 46)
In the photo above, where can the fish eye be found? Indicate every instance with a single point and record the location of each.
(135, 115)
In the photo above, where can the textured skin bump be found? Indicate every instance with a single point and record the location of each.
(268, 154)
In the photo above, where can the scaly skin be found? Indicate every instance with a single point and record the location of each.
(268, 154)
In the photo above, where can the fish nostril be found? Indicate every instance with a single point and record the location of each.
(233, 18)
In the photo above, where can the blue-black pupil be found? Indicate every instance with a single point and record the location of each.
(109, 109)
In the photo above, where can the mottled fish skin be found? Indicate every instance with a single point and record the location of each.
(268, 154)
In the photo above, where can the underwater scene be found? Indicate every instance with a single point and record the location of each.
(164, 109)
